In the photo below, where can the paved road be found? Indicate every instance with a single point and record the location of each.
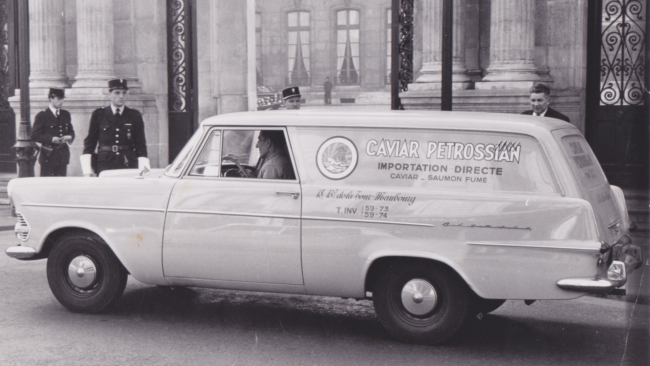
(158, 326)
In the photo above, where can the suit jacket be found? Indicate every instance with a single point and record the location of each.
(552, 113)
(125, 131)
(46, 126)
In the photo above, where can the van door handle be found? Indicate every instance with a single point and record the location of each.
(294, 194)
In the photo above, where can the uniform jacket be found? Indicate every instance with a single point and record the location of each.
(552, 113)
(125, 131)
(46, 126)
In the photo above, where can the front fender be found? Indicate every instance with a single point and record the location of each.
(128, 214)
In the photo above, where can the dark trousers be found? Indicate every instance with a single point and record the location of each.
(328, 97)
(54, 171)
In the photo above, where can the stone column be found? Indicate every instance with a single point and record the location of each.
(512, 46)
(47, 45)
(431, 72)
(94, 43)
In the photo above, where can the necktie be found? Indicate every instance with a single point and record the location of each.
(117, 112)
(57, 112)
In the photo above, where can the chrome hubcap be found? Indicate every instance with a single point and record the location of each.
(82, 271)
(419, 297)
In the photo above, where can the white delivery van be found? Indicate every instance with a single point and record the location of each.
(435, 216)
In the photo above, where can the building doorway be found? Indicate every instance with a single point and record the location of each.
(617, 124)
(181, 66)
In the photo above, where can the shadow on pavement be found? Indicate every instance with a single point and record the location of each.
(268, 312)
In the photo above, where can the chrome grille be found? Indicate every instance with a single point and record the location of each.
(21, 228)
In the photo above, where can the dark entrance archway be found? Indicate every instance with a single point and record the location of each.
(181, 66)
(617, 113)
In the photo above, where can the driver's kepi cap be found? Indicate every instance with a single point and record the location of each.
(293, 91)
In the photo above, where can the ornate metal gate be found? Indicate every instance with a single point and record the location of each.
(181, 77)
(7, 83)
(617, 118)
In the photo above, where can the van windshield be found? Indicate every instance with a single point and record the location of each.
(175, 168)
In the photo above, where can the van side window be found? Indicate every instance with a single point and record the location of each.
(260, 153)
(583, 161)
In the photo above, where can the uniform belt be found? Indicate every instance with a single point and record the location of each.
(115, 148)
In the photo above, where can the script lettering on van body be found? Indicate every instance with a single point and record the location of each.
(361, 196)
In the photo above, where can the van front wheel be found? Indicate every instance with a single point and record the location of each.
(84, 274)
(421, 303)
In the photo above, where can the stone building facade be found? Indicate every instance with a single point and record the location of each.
(501, 48)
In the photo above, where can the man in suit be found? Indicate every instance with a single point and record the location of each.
(540, 98)
(291, 97)
(53, 130)
(327, 86)
(117, 132)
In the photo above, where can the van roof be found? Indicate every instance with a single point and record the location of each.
(420, 119)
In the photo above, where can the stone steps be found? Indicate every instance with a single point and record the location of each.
(637, 207)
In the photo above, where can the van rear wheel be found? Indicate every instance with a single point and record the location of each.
(421, 303)
(84, 274)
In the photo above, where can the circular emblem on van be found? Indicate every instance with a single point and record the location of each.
(337, 158)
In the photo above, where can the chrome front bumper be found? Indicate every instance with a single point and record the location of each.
(20, 252)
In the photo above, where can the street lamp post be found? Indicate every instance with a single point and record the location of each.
(25, 149)
(395, 103)
(447, 54)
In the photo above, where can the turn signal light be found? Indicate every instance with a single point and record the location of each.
(22, 227)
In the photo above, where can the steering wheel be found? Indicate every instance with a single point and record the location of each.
(234, 172)
(242, 172)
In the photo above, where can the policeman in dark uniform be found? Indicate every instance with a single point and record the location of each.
(117, 132)
(53, 130)
(291, 97)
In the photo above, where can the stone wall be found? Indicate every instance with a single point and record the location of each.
(560, 48)
(323, 46)
(140, 56)
(222, 57)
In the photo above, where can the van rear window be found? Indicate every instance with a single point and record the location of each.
(429, 159)
(583, 161)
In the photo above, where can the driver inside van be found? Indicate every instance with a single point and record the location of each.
(274, 160)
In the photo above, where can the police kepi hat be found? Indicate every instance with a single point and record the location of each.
(56, 92)
(290, 92)
(117, 84)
